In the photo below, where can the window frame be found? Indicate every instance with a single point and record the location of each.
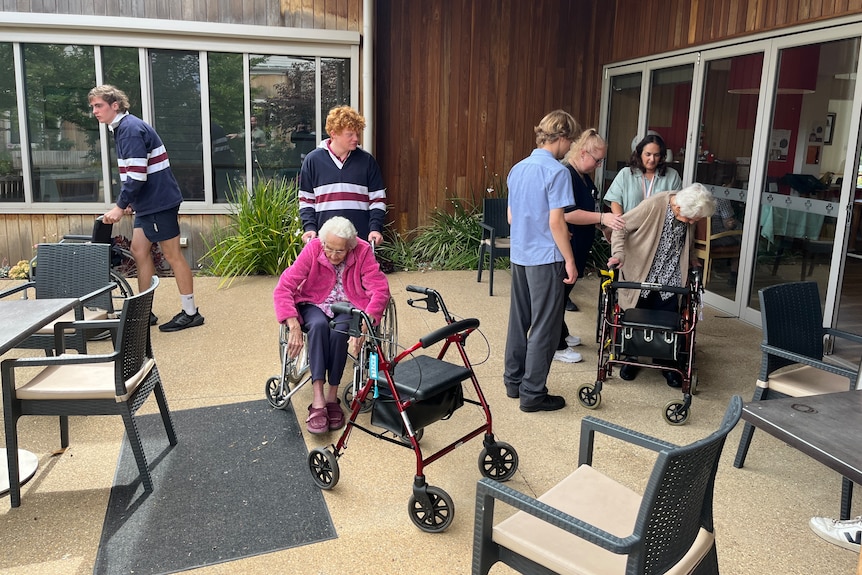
(97, 32)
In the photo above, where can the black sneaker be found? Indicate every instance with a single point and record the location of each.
(182, 320)
(154, 320)
(547, 403)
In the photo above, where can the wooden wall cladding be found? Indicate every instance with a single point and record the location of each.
(324, 14)
(460, 84)
(19, 233)
(642, 30)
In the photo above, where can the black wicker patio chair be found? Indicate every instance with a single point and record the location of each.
(793, 335)
(111, 384)
(80, 271)
(589, 523)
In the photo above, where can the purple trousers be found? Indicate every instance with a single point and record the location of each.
(327, 347)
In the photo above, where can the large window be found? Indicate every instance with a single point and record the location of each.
(11, 180)
(226, 118)
(65, 155)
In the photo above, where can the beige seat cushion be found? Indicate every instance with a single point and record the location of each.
(80, 381)
(805, 380)
(598, 500)
(89, 314)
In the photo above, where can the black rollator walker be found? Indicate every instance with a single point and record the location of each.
(624, 336)
(408, 393)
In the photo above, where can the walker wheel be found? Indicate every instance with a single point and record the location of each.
(675, 412)
(324, 468)
(588, 396)
(276, 393)
(693, 386)
(435, 518)
(347, 397)
(499, 462)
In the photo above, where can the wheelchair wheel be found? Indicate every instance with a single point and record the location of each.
(347, 398)
(417, 433)
(387, 331)
(276, 394)
(122, 291)
(299, 365)
(588, 396)
(675, 412)
(499, 462)
(434, 517)
(324, 468)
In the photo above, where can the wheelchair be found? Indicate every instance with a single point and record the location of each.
(295, 371)
(407, 394)
(644, 333)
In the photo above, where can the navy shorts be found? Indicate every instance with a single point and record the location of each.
(160, 225)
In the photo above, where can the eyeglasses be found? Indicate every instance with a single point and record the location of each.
(598, 162)
(333, 252)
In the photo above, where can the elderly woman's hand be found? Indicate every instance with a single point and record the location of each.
(294, 337)
(614, 263)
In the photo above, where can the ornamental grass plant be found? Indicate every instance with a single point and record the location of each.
(264, 235)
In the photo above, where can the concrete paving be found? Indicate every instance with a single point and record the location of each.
(761, 511)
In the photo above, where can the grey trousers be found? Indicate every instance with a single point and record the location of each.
(535, 321)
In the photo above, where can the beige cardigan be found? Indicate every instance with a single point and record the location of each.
(636, 244)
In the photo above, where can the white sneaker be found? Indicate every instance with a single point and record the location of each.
(573, 341)
(847, 534)
(567, 355)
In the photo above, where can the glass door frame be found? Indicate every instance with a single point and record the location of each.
(770, 47)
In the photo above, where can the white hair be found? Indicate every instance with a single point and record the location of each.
(340, 227)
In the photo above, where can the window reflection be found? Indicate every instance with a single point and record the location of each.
(622, 123)
(226, 123)
(283, 97)
(177, 104)
(64, 139)
(11, 181)
(121, 67)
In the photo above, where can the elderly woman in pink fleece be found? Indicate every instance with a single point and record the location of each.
(336, 266)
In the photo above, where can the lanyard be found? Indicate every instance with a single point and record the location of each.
(648, 190)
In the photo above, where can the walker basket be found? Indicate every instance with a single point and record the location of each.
(431, 385)
(650, 333)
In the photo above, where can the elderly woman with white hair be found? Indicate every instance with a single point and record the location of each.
(655, 246)
(334, 267)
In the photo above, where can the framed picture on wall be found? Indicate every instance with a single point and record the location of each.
(830, 127)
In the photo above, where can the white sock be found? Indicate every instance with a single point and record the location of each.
(189, 303)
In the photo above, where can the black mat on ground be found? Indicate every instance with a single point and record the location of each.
(237, 484)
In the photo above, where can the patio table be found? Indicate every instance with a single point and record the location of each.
(18, 320)
(809, 424)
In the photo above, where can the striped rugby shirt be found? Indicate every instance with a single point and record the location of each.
(146, 180)
(353, 189)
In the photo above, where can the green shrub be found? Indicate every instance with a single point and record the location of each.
(450, 241)
(264, 236)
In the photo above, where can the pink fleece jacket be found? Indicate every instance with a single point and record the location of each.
(311, 278)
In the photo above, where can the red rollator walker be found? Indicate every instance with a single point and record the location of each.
(408, 393)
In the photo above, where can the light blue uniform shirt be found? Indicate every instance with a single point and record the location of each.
(537, 184)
